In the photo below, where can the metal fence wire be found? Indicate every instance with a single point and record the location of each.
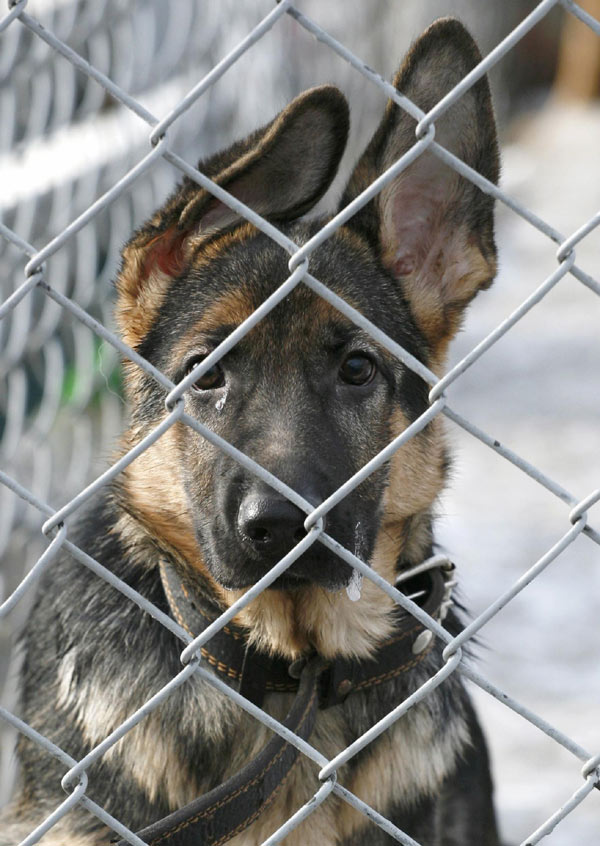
(30, 304)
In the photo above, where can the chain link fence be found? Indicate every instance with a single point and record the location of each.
(59, 353)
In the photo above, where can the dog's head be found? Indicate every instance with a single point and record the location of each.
(308, 394)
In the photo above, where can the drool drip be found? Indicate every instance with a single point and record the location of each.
(354, 586)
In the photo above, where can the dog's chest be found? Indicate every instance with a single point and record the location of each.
(408, 761)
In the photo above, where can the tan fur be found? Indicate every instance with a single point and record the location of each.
(155, 491)
(61, 835)
(231, 309)
(443, 283)
(416, 472)
(206, 252)
(145, 752)
(356, 243)
(394, 770)
(158, 499)
(290, 623)
(142, 289)
(139, 303)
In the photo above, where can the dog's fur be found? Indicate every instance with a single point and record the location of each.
(312, 398)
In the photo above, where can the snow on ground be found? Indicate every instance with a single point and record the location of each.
(537, 391)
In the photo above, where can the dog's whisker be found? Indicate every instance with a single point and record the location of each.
(416, 595)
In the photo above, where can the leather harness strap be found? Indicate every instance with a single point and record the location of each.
(215, 817)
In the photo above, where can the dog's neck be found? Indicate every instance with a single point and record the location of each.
(294, 623)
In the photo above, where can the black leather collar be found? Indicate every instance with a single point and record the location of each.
(254, 673)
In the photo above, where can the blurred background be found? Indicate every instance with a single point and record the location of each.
(63, 142)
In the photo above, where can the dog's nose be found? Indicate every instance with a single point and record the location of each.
(270, 524)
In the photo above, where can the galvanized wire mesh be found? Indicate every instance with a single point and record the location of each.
(45, 310)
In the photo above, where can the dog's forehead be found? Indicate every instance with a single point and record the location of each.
(302, 320)
(227, 283)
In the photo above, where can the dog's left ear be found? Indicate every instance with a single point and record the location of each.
(280, 171)
(434, 228)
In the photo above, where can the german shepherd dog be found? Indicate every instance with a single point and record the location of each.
(312, 398)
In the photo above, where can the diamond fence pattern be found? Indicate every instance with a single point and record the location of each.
(37, 278)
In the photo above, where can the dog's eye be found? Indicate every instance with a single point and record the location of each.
(213, 378)
(357, 369)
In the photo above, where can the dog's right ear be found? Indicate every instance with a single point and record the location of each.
(279, 171)
(434, 229)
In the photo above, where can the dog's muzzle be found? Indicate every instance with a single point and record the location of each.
(268, 524)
